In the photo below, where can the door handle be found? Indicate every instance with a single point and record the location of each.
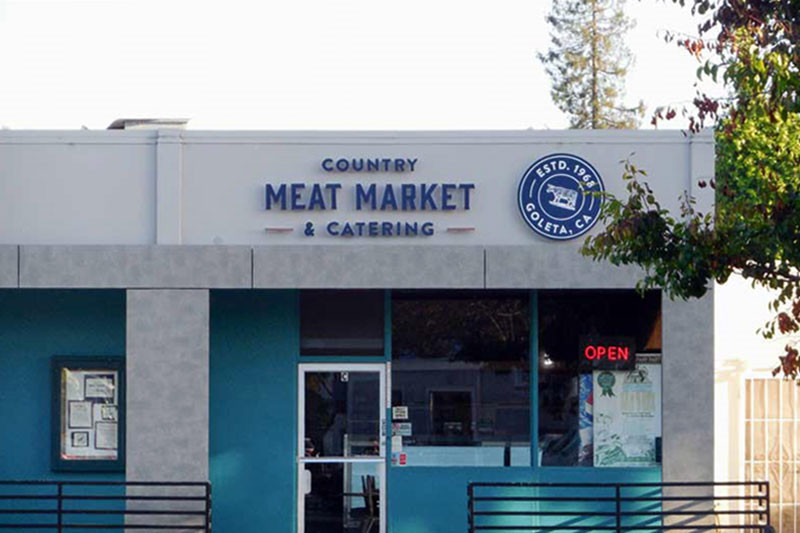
(306, 481)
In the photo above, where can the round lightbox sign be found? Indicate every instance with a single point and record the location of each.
(560, 196)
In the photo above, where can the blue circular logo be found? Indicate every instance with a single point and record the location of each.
(560, 196)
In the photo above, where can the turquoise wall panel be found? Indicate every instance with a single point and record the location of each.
(34, 326)
(593, 508)
(434, 500)
(254, 346)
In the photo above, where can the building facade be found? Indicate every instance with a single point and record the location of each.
(341, 330)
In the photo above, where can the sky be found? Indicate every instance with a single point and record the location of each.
(315, 65)
(303, 64)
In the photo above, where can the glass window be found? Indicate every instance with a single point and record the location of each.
(338, 322)
(460, 378)
(342, 414)
(342, 497)
(599, 378)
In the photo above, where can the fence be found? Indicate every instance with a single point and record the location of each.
(618, 507)
(75, 506)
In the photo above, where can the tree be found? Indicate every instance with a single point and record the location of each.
(587, 63)
(754, 229)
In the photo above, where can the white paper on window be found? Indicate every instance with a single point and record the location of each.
(89, 413)
(627, 416)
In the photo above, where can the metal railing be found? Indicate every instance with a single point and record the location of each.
(70, 506)
(618, 507)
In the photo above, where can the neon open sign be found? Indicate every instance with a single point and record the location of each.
(612, 353)
(608, 353)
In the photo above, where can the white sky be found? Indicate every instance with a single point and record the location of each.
(303, 64)
(308, 64)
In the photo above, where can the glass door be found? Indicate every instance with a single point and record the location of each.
(341, 460)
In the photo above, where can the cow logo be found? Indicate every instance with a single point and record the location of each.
(560, 196)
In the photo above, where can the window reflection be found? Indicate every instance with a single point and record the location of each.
(342, 498)
(460, 368)
(342, 414)
(339, 322)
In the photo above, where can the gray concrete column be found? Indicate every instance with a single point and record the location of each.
(9, 266)
(688, 389)
(167, 385)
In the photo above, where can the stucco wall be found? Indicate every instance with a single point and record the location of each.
(34, 327)
(167, 377)
(192, 187)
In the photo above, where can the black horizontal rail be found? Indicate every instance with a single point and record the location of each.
(108, 483)
(623, 528)
(60, 506)
(618, 507)
(580, 499)
(665, 484)
(98, 498)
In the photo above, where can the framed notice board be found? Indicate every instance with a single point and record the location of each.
(88, 414)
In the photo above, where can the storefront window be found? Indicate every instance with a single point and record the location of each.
(460, 378)
(339, 322)
(599, 378)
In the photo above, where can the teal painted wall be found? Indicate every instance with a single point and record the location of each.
(34, 326)
(434, 500)
(254, 347)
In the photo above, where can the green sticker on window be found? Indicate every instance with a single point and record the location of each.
(606, 380)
